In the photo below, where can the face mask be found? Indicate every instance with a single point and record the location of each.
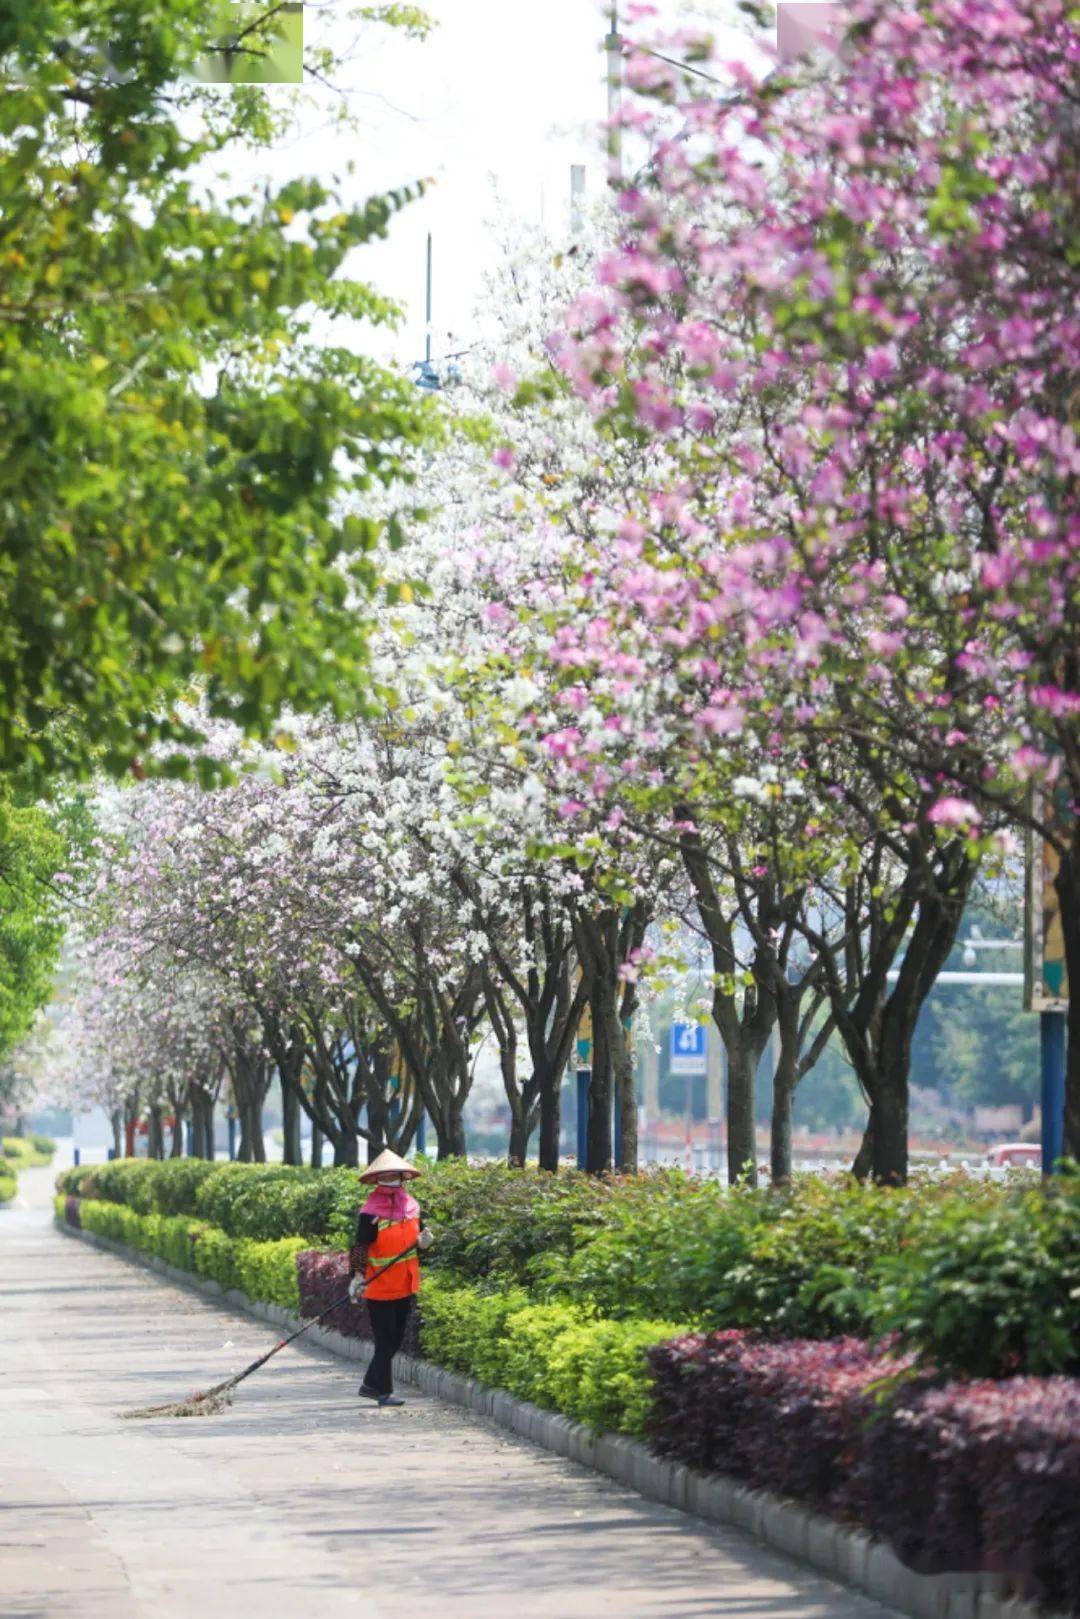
(391, 1182)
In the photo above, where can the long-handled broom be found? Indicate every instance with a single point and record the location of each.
(210, 1401)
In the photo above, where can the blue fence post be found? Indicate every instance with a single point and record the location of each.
(421, 1134)
(231, 1123)
(1052, 1055)
(584, 1074)
(78, 1160)
(189, 1137)
(110, 1154)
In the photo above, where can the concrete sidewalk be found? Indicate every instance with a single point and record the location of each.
(298, 1502)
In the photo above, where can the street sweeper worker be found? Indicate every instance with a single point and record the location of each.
(384, 1266)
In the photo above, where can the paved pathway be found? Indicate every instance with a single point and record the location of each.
(295, 1502)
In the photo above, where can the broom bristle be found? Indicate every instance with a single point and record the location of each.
(196, 1405)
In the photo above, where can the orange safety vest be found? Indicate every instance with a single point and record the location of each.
(396, 1237)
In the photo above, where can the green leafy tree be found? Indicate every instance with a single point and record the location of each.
(32, 850)
(186, 470)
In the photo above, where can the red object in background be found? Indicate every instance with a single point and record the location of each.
(1014, 1154)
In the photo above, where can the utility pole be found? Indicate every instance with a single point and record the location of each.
(613, 47)
(577, 193)
(427, 307)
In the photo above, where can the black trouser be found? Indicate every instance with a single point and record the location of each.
(389, 1318)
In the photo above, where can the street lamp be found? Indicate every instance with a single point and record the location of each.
(426, 373)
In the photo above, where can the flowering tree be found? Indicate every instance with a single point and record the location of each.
(845, 301)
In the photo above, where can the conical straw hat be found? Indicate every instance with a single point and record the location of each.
(388, 1163)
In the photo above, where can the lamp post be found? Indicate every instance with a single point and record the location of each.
(584, 1077)
(613, 50)
(1051, 1041)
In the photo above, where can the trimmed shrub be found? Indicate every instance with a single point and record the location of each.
(494, 1221)
(989, 1287)
(323, 1278)
(783, 1416)
(976, 1276)
(961, 1476)
(982, 1475)
(9, 1184)
(264, 1201)
(278, 1200)
(23, 1152)
(555, 1355)
(267, 1270)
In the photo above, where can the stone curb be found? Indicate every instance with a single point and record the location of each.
(845, 1555)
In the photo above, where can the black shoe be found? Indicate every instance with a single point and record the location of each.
(391, 1399)
(371, 1394)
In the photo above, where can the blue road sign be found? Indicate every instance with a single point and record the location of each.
(687, 1048)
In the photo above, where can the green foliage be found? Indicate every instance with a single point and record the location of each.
(976, 1274)
(495, 1221)
(280, 1201)
(158, 533)
(556, 1355)
(263, 1201)
(267, 1270)
(31, 854)
(8, 1185)
(22, 1152)
(990, 1287)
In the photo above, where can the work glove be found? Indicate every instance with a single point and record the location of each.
(356, 1289)
(425, 1239)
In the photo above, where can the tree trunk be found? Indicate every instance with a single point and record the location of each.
(780, 1125)
(290, 1122)
(1067, 884)
(116, 1119)
(599, 1146)
(155, 1146)
(780, 1131)
(377, 1125)
(450, 1133)
(243, 1150)
(785, 1079)
(176, 1148)
(521, 1128)
(346, 1153)
(626, 1092)
(741, 1143)
(316, 1147)
(889, 1154)
(550, 1121)
(864, 1159)
(255, 1129)
(202, 1124)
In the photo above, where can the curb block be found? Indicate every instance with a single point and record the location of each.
(845, 1555)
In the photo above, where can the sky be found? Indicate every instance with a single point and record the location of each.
(494, 107)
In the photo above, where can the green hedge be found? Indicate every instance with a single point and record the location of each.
(262, 1270)
(262, 1201)
(9, 1185)
(26, 1152)
(823, 1257)
(992, 1288)
(557, 1355)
